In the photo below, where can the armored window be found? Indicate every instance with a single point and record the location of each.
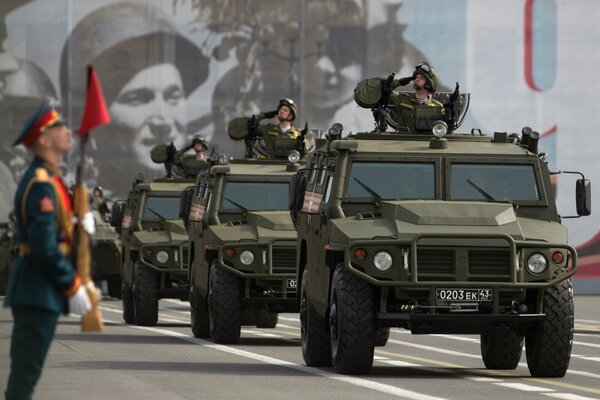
(161, 208)
(254, 196)
(495, 182)
(391, 180)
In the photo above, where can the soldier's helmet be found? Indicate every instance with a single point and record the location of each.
(430, 74)
(286, 101)
(200, 139)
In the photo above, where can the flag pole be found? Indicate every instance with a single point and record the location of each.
(94, 114)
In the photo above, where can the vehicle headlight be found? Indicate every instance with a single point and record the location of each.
(162, 256)
(439, 129)
(537, 263)
(383, 261)
(294, 156)
(247, 257)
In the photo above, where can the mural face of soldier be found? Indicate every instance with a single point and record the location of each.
(152, 107)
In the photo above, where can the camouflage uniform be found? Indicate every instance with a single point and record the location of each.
(266, 147)
(405, 105)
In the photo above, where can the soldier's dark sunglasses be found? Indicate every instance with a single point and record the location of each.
(286, 100)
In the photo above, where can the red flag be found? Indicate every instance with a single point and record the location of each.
(96, 112)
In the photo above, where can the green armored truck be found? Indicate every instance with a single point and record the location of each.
(153, 237)
(445, 233)
(106, 255)
(242, 247)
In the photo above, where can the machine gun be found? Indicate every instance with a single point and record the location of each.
(300, 141)
(251, 137)
(453, 109)
(379, 112)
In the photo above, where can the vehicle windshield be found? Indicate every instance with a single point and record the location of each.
(252, 196)
(495, 182)
(158, 208)
(391, 180)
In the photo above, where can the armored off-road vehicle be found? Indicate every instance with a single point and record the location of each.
(242, 247)
(153, 237)
(8, 251)
(457, 234)
(106, 255)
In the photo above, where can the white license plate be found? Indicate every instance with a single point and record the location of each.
(463, 295)
(291, 283)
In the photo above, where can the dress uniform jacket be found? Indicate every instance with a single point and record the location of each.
(43, 275)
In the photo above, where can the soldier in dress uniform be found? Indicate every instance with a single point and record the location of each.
(43, 282)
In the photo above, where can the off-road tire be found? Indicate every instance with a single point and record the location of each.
(352, 323)
(145, 296)
(200, 320)
(225, 309)
(316, 346)
(127, 299)
(548, 348)
(501, 351)
(265, 318)
(382, 334)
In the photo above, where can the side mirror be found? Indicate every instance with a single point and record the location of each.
(297, 189)
(117, 211)
(583, 197)
(185, 201)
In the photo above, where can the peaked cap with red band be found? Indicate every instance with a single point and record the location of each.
(44, 117)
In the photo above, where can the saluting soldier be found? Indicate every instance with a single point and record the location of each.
(269, 141)
(286, 113)
(413, 112)
(43, 282)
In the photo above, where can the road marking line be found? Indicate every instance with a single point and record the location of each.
(524, 387)
(268, 335)
(587, 344)
(484, 379)
(365, 383)
(399, 363)
(378, 358)
(568, 396)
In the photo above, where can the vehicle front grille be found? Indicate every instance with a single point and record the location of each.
(185, 259)
(489, 262)
(284, 260)
(476, 264)
(435, 261)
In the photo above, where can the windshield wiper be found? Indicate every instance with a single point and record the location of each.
(238, 205)
(481, 190)
(162, 219)
(368, 189)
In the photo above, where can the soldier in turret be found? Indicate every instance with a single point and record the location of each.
(412, 112)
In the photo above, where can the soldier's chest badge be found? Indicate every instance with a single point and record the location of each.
(46, 204)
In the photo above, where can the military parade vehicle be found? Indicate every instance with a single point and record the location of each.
(106, 255)
(8, 251)
(242, 247)
(434, 233)
(153, 238)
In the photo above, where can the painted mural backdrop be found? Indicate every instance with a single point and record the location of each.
(173, 69)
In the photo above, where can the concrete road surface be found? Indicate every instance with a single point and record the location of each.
(166, 362)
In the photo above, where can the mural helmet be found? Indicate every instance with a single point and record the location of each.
(286, 101)
(430, 74)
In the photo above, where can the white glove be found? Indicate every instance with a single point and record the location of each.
(79, 303)
(88, 223)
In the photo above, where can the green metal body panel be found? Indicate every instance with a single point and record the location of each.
(269, 234)
(139, 236)
(435, 242)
